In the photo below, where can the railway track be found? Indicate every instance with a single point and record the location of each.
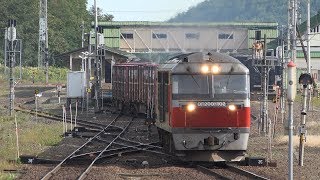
(114, 129)
(109, 142)
(131, 146)
(105, 144)
(229, 172)
(84, 123)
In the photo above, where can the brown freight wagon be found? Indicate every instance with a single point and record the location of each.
(134, 87)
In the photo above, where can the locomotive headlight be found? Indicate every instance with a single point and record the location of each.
(232, 107)
(204, 69)
(215, 69)
(191, 107)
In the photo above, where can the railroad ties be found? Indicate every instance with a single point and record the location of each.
(229, 172)
(107, 143)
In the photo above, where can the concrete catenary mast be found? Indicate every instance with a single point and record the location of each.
(291, 81)
(43, 37)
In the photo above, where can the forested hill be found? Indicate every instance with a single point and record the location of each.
(64, 20)
(241, 10)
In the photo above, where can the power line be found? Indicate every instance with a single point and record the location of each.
(142, 11)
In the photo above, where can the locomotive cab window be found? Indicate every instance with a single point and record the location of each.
(210, 86)
(190, 84)
(229, 84)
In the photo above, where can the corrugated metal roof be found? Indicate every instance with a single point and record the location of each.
(314, 22)
(313, 54)
(271, 25)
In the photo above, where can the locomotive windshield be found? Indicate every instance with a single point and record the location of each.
(190, 84)
(223, 84)
(210, 86)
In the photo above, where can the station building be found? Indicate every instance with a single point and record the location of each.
(148, 37)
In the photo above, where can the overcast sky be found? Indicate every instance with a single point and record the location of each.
(144, 10)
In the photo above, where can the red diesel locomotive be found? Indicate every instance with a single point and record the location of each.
(199, 102)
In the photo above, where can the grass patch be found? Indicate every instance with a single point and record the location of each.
(4, 88)
(7, 176)
(315, 100)
(34, 137)
(30, 74)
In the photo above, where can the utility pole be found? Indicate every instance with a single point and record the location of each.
(306, 93)
(12, 38)
(82, 34)
(265, 74)
(291, 90)
(20, 58)
(43, 58)
(97, 61)
(308, 53)
(5, 50)
(294, 30)
(283, 76)
(291, 97)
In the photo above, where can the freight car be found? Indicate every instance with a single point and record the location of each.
(199, 102)
(134, 87)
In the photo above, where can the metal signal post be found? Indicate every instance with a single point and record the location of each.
(291, 89)
(308, 54)
(291, 94)
(11, 37)
(265, 63)
(43, 59)
(97, 70)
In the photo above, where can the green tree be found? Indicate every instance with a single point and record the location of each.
(64, 19)
(101, 16)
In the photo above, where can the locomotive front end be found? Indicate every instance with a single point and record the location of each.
(209, 107)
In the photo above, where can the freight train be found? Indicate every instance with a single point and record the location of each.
(199, 103)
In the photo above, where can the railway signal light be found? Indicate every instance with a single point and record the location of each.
(305, 79)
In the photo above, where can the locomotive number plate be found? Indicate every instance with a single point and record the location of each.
(212, 104)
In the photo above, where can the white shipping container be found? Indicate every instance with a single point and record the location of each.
(76, 84)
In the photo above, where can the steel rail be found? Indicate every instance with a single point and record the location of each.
(232, 168)
(212, 173)
(85, 173)
(56, 168)
(110, 150)
(136, 150)
(131, 141)
(84, 123)
(55, 115)
(134, 142)
(246, 173)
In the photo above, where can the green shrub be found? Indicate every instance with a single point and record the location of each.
(30, 74)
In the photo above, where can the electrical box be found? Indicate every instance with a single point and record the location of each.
(76, 84)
